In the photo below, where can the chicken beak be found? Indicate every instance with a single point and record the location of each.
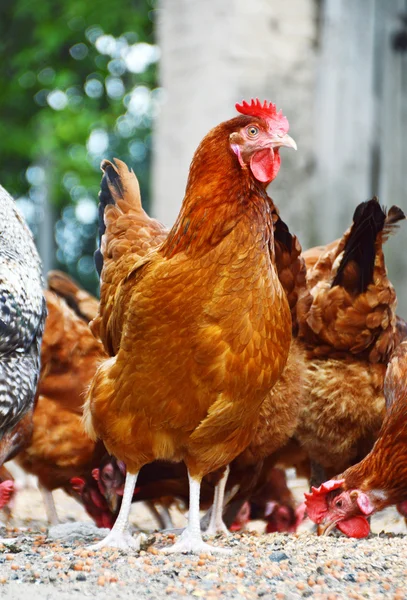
(112, 500)
(283, 141)
(326, 528)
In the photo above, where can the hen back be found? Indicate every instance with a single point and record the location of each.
(22, 316)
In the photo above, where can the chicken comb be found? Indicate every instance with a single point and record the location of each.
(266, 111)
(316, 500)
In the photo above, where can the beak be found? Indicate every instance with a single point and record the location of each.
(326, 528)
(112, 500)
(285, 140)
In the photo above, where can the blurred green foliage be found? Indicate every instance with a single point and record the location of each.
(78, 83)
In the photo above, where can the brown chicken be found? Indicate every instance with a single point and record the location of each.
(272, 432)
(349, 330)
(60, 449)
(279, 411)
(380, 479)
(199, 329)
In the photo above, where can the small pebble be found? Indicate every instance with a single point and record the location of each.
(278, 556)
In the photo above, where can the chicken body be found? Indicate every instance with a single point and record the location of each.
(349, 329)
(199, 329)
(22, 316)
(380, 479)
(279, 411)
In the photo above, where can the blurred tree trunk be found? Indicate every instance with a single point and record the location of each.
(45, 237)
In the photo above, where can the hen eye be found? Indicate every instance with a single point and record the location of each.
(252, 131)
(338, 503)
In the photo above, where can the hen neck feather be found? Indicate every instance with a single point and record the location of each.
(219, 194)
(384, 469)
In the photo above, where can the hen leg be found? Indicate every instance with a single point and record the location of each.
(166, 517)
(216, 524)
(49, 505)
(119, 536)
(229, 495)
(162, 516)
(191, 538)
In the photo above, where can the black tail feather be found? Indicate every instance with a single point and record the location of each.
(105, 197)
(282, 234)
(368, 220)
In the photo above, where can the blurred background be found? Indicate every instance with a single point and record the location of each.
(144, 80)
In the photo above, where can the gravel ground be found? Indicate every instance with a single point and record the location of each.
(267, 567)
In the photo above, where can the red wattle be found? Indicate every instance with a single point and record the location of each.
(265, 165)
(356, 527)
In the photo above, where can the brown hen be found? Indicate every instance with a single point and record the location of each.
(199, 328)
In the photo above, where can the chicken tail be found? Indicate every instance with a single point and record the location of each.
(120, 188)
(124, 226)
(355, 272)
(83, 304)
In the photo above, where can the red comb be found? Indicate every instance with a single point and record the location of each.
(266, 111)
(316, 502)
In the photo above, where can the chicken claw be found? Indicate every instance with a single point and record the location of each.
(119, 536)
(216, 524)
(193, 544)
(215, 528)
(190, 541)
(120, 539)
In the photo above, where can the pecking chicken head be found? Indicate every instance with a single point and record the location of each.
(330, 506)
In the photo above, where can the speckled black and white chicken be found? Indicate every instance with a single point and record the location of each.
(22, 317)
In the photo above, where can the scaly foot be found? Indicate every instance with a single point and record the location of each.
(215, 528)
(118, 539)
(189, 543)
